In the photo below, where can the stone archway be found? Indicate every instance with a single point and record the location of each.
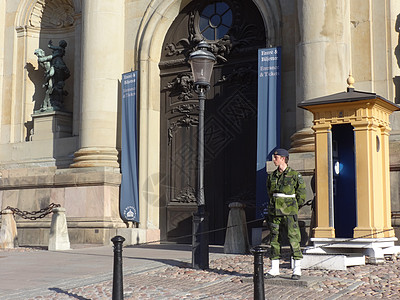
(155, 24)
(233, 30)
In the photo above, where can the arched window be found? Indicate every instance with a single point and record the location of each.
(215, 20)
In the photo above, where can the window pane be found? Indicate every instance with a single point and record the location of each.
(209, 34)
(221, 31)
(203, 23)
(208, 11)
(221, 7)
(215, 20)
(227, 18)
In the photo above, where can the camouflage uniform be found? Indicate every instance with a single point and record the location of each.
(286, 193)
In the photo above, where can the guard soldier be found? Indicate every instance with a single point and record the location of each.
(286, 191)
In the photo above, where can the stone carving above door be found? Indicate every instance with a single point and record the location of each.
(52, 14)
(238, 36)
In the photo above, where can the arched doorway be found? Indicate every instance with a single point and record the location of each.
(235, 30)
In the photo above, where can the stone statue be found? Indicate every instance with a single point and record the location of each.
(56, 72)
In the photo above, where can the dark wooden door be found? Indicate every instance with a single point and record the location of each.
(235, 31)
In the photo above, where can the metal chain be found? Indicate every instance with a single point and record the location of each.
(308, 203)
(32, 215)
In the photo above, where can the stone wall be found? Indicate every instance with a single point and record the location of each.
(90, 197)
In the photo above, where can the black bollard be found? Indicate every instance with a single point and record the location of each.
(118, 287)
(200, 247)
(258, 278)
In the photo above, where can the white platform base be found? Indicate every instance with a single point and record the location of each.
(332, 261)
(338, 254)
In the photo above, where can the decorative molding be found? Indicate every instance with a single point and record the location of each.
(181, 86)
(186, 121)
(185, 108)
(52, 14)
(186, 195)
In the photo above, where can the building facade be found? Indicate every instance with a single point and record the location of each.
(70, 154)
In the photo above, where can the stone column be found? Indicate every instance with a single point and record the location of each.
(322, 56)
(102, 66)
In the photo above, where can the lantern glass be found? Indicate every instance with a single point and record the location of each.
(202, 68)
(202, 62)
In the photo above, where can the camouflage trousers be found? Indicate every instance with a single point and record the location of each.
(290, 226)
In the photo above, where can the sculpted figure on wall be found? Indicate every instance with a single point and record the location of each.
(56, 72)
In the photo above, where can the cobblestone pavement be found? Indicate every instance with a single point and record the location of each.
(230, 277)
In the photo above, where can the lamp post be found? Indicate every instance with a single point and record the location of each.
(202, 62)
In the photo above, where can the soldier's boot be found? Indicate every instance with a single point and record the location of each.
(296, 269)
(274, 271)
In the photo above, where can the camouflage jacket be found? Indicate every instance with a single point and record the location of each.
(286, 191)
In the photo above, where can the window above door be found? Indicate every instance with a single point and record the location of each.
(215, 20)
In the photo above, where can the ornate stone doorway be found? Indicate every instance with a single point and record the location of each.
(235, 30)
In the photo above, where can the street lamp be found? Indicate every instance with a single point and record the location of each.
(202, 62)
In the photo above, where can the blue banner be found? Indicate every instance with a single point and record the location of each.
(129, 198)
(268, 127)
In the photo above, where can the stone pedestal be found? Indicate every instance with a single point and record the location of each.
(58, 238)
(51, 125)
(8, 231)
(236, 240)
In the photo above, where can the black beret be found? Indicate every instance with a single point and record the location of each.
(281, 152)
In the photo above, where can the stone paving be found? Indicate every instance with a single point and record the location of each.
(230, 277)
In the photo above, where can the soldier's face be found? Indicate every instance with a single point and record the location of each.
(278, 160)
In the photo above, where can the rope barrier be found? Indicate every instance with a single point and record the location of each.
(45, 211)
(253, 221)
(191, 235)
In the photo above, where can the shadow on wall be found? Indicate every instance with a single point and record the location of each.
(397, 49)
(396, 79)
(36, 77)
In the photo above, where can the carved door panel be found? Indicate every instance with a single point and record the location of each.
(234, 30)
